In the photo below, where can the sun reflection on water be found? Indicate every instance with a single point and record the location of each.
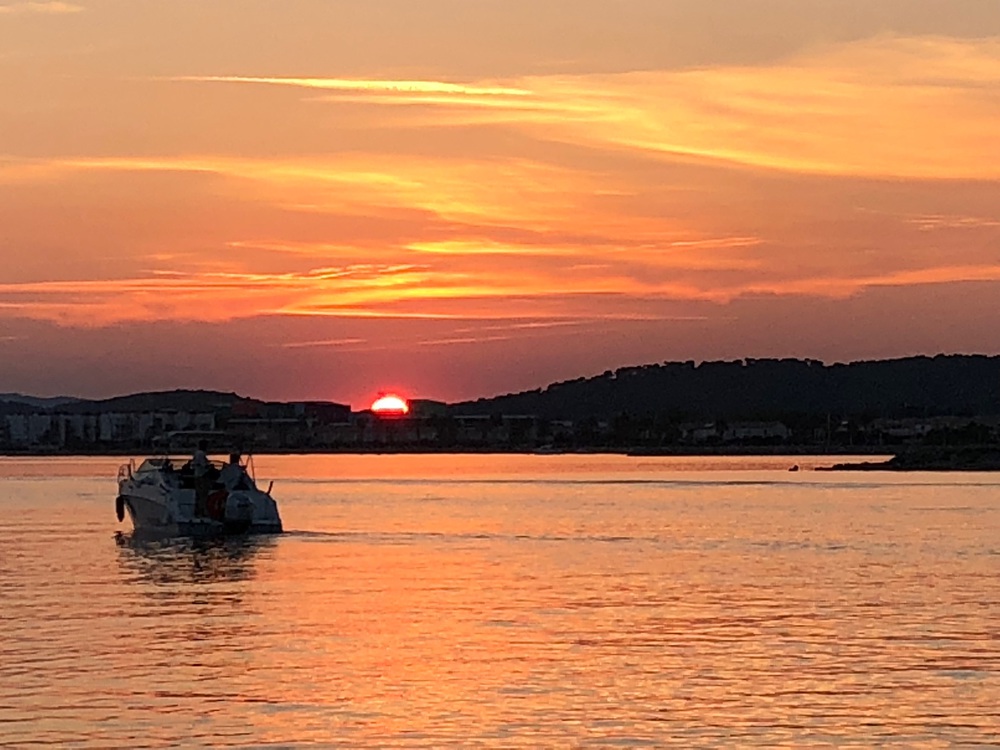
(521, 608)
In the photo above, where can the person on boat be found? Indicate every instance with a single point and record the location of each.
(200, 467)
(233, 476)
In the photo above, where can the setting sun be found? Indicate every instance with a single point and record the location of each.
(390, 406)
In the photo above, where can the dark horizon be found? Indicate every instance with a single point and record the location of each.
(939, 385)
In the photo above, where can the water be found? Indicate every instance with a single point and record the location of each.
(522, 601)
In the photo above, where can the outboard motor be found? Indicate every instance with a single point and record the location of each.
(120, 508)
(239, 512)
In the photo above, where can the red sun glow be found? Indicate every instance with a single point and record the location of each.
(390, 405)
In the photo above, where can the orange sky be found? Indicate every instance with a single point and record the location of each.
(328, 199)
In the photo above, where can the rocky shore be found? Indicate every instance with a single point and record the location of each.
(986, 458)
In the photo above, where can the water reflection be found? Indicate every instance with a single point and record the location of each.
(531, 610)
(167, 561)
(188, 591)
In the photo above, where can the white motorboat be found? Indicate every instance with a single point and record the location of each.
(161, 497)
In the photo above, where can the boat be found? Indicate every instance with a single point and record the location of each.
(160, 497)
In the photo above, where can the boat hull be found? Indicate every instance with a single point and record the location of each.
(153, 517)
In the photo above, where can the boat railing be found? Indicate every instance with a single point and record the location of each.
(170, 464)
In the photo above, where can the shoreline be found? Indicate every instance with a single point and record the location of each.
(985, 458)
(638, 452)
(968, 459)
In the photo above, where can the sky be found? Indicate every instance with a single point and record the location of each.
(329, 199)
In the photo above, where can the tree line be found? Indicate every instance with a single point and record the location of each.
(791, 390)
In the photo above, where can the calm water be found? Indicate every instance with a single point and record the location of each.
(476, 601)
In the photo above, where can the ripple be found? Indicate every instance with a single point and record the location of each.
(522, 612)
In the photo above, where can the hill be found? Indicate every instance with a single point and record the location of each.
(963, 385)
(178, 400)
(34, 402)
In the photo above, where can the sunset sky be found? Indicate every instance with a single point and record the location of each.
(457, 198)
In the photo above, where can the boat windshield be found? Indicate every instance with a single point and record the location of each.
(232, 476)
(174, 463)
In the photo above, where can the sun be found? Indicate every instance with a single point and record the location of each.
(390, 406)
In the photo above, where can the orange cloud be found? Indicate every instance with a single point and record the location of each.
(397, 88)
(614, 187)
(886, 107)
(942, 221)
(858, 109)
(405, 292)
(514, 191)
(511, 267)
(47, 8)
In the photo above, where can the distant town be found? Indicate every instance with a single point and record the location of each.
(743, 406)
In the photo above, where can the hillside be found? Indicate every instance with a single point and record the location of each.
(179, 400)
(768, 389)
(34, 402)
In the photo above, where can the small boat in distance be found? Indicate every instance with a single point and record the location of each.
(161, 497)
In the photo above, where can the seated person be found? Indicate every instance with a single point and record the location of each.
(233, 476)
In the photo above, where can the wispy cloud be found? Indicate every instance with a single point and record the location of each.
(400, 88)
(428, 93)
(841, 110)
(847, 286)
(461, 249)
(611, 190)
(846, 110)
(46, 8)
(418, 293)
(333, 343)
(459, 340)
(933, 222)
(515, 191)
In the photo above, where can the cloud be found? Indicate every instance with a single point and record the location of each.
(334, 343)
(189, 296)
(44, 8)
(548, 299)
(933, 222)
(847, 109)
(474, 240)
(605, 192)
(517, 191)
(917, 108)
(400, 89)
